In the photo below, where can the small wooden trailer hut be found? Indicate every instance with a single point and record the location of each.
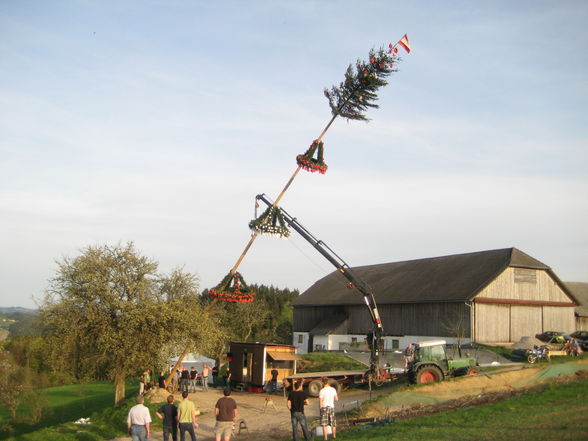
(251, 363)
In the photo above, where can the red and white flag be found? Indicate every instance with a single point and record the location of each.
(404, 43)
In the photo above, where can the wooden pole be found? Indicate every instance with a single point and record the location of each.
(246, 250)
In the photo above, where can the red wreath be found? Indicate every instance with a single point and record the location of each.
(309, 163)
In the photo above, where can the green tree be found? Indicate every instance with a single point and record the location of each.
(13, 382)
(108, 313)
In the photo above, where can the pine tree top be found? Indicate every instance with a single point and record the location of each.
(352, 98)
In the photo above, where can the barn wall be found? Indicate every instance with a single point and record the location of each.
(525, 321)
(559, 319)
(581, 323)
(492, 323)
(524, 284)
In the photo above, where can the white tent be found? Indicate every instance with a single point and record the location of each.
(196, 360)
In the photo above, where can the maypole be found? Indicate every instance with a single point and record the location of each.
(350, 100)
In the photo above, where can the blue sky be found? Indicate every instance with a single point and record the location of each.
(159, 121)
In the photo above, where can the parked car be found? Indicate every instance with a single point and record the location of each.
(582, 338)
(551, 337)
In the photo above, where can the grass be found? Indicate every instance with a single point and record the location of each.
(65, 404)
(325, 361)
(555, 413)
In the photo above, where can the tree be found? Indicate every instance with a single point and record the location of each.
(108, 313)
(12, 382)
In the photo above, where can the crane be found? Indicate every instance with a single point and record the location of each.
(375, 337)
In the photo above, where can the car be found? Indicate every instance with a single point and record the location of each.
(551, 337)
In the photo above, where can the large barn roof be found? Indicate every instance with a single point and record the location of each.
(580, 292)
(454, 278)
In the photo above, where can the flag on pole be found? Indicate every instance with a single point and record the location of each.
(404, 43)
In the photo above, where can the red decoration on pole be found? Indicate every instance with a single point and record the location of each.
(232, 289)
(309, 163)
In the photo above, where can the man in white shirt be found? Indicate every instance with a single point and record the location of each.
(327, 397)
(139, 421)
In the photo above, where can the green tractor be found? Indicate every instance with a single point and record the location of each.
(429, 362)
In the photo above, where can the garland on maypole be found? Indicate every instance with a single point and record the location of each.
(354, 96)
(232, 289)
(309, 163)
(270, 223)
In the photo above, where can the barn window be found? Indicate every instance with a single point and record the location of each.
(395, 344)
(300, 338)
(524, 275)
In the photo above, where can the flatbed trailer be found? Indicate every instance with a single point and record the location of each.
(338, 379)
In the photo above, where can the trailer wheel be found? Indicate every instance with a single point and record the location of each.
(314, 388)
(335, 384)
(429, 374)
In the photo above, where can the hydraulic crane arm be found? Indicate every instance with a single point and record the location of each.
(375, 337)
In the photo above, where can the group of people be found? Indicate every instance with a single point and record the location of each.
(184, 379)
(572, 347)
(181, 419)
(297, 399)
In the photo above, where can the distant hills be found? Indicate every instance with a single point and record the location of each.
(17, 309)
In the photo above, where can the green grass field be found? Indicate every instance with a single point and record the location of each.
(554, 414)
(66, 404)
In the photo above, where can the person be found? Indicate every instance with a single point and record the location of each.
(161, 380)
(185, 379)
(187, 417)
(141, 384)
(139, 421)
(169, 414)
(227, 377)
(226, 416)
(297, 399)
(327, 397)
(215, 375)
(273, 383)
(193, 378)
(408, 355)
(205, 371)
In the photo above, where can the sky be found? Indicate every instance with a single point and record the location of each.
(158, 122)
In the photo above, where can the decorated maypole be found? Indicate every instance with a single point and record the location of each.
(350, 100)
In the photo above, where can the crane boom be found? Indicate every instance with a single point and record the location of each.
(374, 339)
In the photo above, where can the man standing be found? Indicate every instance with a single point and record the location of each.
(226, 416)
(205, 371)
(187, 417)
(169, 414)
(139, 421)
(296, 401)
(185, 380)
(193, 378)
(327, 398)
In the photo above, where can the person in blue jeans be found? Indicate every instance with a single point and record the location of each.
(297, 399)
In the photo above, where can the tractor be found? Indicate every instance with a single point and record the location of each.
(429, 363)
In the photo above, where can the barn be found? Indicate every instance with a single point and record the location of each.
(487, 297)
(580, 292)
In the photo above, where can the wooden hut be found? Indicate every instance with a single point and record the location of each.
(251, 363)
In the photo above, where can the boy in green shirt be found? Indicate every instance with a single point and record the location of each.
(187, 417)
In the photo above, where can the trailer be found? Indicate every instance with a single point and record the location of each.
(339, 379)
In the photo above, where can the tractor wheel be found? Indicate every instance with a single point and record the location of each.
(428, 374)
(314, 388)
(473, 370)
(532, 358)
